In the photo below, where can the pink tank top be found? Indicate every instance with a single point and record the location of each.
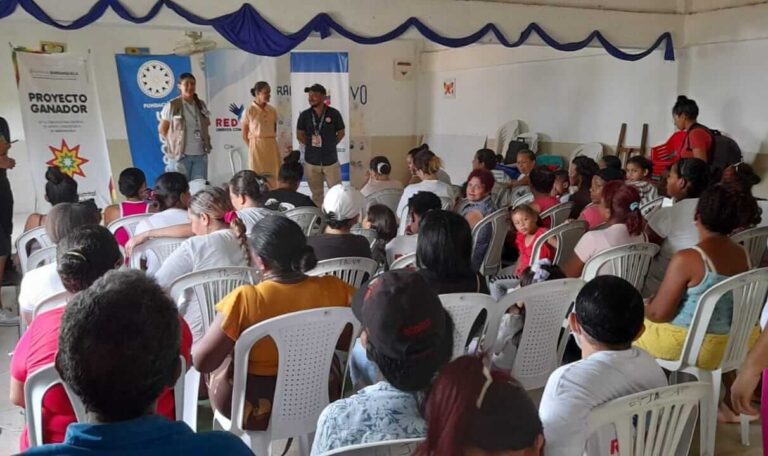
(129, 208)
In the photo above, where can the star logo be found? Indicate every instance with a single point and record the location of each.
(67, 159)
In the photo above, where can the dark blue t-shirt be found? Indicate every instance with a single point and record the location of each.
(149, 435)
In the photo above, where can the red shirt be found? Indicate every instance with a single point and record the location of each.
(696, 138)
(526, 251)
(37, 348)
(544, 203)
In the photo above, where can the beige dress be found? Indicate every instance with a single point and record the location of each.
(262, 142)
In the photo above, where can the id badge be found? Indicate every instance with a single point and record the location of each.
(317, 141)
(197, 134)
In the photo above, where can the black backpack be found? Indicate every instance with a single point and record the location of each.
(724, 152)
(514, 147)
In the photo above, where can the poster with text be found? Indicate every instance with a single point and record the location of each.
(62, 122)
(229, 76)
(331, 70)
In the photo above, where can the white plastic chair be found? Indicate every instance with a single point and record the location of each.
(35, 388)
(22, 244)
(209, 286)
(525, 198)
(567, 236)
(403, 217)
(353, 270)
(404, 262)
(51, 302)
(748, 290)
(308, 218)
(499, 223)
(389, 197)
(591, 150)
(236, 156)
(464, 309)
(447, 203)
(162, 248)
(651, 206)
(369, 234)
(306, 342)
(40, 257)
(557, 214)
(404, 447)
(401, 245)
(546, 305)
(630, 262)
(755, 241)
(128, 223)
(654, 422)
(506, 134)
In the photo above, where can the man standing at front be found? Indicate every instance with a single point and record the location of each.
(184, 123)
(320, 128)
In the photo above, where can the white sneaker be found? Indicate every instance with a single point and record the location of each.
(7, 318)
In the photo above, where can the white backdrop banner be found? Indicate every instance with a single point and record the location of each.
(62, 122)
(331, 70)
(230, 74)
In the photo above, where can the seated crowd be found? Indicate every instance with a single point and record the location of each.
(116, 338)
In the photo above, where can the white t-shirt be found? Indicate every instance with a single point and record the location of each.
(573, 390)
(373, 186)
(594, 242)
(37, 285)
(218, 249)
(193, 139)
(675, 224)
(164, 219)
(439, 188)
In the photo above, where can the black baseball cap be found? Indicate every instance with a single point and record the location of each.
(402, 315)
(315, 88)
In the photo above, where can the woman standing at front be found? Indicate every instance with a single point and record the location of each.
(259, 127)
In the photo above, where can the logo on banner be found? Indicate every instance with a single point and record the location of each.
(328, 98)
(230, 123)
(155, 79)
(67, 159)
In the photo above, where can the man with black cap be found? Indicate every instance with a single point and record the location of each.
(409, 336)
(320, 128)
(6, 206)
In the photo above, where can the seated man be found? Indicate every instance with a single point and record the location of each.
(342, 207)
(409, 336)
(118, 349)
(606, 318)
(418, 205)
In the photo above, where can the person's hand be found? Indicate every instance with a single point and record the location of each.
(135, 241)
(742, 390)
(7, 162)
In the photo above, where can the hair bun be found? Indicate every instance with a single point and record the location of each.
(682, 99)
(54, 175)
(293, 156)
(383, 168)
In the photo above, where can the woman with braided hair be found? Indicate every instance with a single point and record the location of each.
(219, 241)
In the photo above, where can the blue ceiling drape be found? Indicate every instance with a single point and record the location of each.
(246, 29)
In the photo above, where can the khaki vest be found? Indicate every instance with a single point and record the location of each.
(177, 131)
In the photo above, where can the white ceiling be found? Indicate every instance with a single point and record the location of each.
(646, 6)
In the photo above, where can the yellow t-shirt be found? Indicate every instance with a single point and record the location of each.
(251, 304)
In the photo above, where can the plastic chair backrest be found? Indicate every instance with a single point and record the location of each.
(235, 155)
(211, 285)
(749, 290)
(51, 302)
(40, 257)
(128, 223)
(464, 309)
(630, 262)
(567, 236)
(306, 342)
(546, 304)
(162, 248)
(404, 262)
(35, 388)
(499, 223)
(353, 270)
(308, 218)
(22, 244)
(654, 422)
(651, 206)
(403, 216)
(447, 203)
(506, 134)
(401, 245)
(404, 447)
(389, 197)
(755, 241)
(526, 198)
(591, 150)
(368, 233)
(557, 214)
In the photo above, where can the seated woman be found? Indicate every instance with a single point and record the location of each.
(479, 204)
(83, 256)
(245, 191)
(382, 220)
(219, 241)
(580, 171)
(672, 227)
(43, 282)
(281, 253)
(692, 272)
(624, 224)
(286, 196)
(427, 166)
(378, 177)
(472, 411)
(59, 188)
(592, 213)
(132, 184)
